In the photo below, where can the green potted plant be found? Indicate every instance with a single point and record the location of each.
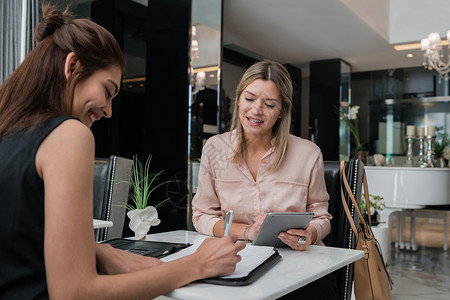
(142, 216)
(439, 148)
(376, 204)
(349, 114)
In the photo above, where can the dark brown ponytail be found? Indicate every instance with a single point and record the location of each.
(38, 89)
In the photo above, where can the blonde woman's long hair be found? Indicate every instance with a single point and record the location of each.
(277, 73)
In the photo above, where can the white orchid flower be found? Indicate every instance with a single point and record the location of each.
(142, 219)
(354, 112)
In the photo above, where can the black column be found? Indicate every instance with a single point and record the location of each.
(150, 114)
(325, 97)
(167, 101)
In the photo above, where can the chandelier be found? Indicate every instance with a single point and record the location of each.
(433, 54)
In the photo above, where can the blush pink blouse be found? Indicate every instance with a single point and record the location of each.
(297, 185)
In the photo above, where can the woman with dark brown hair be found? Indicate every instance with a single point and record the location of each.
(46, 177)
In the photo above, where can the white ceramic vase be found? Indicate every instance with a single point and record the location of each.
(141, 220)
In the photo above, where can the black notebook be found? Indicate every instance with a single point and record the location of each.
(256, 260)
(147, 248)
(251, 277)
(267, 257)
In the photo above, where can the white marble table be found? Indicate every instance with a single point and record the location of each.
(296, 269)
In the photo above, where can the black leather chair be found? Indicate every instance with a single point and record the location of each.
(341, 234)
(337, 285)
(111, 188)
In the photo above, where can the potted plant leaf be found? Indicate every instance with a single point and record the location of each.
(142, 216)
(376, 204)
(349, 115)
(439, 147)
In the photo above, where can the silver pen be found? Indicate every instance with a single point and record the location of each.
(228, 221)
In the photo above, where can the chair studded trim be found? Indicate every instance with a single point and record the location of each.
(112, 161)
(341, 234)
(353, 169)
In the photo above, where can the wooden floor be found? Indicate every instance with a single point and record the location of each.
(429, 231)
(424, 273)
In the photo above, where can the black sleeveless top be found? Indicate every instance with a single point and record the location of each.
(22, 268)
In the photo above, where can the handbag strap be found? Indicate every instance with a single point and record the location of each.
(366, 196)
(367, 229)
(350, 194)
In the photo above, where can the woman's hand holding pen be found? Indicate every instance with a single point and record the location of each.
(299, 239)
(218, 256)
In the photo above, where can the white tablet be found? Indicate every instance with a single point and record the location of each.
(276, 222)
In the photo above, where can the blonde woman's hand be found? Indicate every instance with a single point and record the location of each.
(299, 239)
(254, 229)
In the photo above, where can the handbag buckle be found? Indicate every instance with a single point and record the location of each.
(365, 248)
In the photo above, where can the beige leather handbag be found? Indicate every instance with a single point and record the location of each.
(371, 279)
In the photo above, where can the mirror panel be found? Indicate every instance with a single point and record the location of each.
(205, 84)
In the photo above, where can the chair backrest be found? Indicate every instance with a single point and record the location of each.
(111, 188)
(341, 234)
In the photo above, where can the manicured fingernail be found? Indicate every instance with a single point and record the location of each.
(281, 235)
(289, 231)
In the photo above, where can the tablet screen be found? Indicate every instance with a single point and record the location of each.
(276, 222)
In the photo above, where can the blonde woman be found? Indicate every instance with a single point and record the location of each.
(258, 167)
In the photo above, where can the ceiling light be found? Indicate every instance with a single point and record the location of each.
(414, 46)
(433, 54)
(407, 47)
(409, 55)
(206, 69)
